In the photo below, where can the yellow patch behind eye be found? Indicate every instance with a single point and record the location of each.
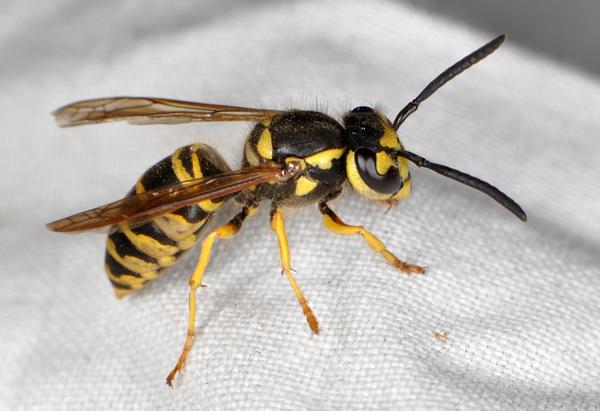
(264, 146)
(390, 138)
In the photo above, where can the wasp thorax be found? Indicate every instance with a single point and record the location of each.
(372, 166)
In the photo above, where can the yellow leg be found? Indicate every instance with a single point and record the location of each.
(226, 231)
(334, 224)
(277, 224)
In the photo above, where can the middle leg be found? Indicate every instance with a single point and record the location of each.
(277, 225)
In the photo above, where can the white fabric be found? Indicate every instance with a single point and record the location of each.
(520, 302)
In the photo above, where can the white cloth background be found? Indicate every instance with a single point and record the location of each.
(520, 302)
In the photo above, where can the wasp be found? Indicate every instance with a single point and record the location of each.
(291, 158)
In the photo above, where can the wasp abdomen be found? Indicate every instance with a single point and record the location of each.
(137, 255)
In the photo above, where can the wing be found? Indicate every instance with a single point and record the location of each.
(142, 207)
(148, 110)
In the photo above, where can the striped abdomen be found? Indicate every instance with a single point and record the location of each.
(136, 255)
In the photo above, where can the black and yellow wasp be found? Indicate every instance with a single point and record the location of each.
(291, 158)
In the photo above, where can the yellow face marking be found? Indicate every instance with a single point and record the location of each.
(137, 265)
(383, 162)
(304, 185)
(324, 159)
(264, 146)
(146, 244)
(267, 122)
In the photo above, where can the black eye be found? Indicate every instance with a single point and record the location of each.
(389, 183)
(363, 109)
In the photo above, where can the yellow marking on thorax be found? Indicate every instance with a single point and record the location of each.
(324, 159)
(304, 185)
(139, 187)
(132, 263)
(264, 146)
(146, 244)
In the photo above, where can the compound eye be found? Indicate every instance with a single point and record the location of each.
(366, 165)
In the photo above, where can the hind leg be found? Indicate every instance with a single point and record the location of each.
(224, 232)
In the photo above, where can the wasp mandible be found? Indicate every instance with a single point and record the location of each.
(291, 158)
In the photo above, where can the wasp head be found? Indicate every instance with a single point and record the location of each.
(372, 165)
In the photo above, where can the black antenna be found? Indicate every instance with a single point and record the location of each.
(466, 179)
(448, 75)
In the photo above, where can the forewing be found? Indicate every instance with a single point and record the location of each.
(142, 207)
(149, 110)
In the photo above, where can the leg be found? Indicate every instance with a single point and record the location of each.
(277, 225)
(333, 223)
(226, 231)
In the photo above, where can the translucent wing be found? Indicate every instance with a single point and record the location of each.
(144, 206)
(148, 110)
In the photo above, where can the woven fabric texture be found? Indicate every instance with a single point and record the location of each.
(508, 315)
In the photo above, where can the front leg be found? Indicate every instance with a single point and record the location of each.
(337, 226)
